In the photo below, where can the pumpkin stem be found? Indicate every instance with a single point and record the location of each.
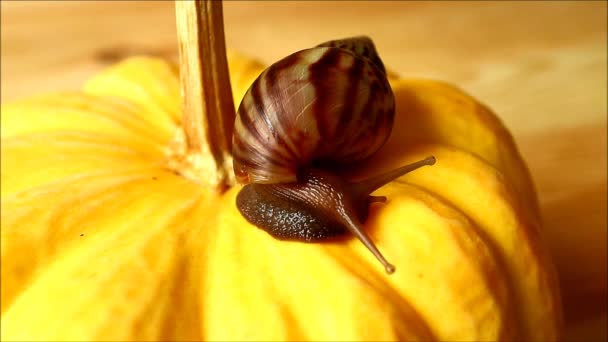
(203, 150)
(356, 228)
(367, 186)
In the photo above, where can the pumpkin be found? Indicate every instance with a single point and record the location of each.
(102, 240)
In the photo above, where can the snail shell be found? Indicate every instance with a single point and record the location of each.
(331, 104)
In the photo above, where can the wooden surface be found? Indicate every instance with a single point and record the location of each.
(541, 66)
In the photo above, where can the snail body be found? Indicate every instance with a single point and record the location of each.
(312, 113)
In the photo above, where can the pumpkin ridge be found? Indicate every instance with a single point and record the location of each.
(295, 330)
(136, 120)
(437, 112)
(39, 165)
(94, 175)
(53, 214)
(402, 305)
(498, 284)
(171, 325)
(516, 226)
(114, 116)
(128, 114)
(467, 249)
(150, 82)
(294, 327)
(125, 239)
(135, 172)
(85, 140)
(398, 305)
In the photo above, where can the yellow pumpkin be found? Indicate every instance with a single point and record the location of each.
(101, 240)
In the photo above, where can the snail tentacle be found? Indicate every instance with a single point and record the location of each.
(356, 228)
(376, 199)
(367, 186)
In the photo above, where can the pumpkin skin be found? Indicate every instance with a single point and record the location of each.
(101, 241)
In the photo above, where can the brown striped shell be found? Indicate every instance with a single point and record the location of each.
(331, 104)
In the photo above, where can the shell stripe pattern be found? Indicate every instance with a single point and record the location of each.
(328, 104)
(361, 46)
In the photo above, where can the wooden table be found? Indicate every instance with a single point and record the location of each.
(541, 66)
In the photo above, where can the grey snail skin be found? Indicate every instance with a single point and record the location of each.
(314, 112)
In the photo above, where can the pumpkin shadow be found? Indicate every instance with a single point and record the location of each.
(409, 126)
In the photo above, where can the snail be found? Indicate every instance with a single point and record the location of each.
(305, 118)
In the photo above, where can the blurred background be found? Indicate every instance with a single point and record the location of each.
(540, 65)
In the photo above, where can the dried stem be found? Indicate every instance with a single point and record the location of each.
(203, 152)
